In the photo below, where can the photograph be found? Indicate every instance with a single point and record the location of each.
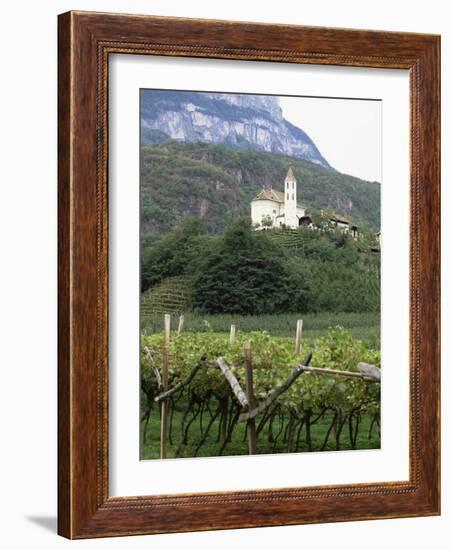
(260, 255)
(224, 238)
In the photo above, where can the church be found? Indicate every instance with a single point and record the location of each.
(272, 208)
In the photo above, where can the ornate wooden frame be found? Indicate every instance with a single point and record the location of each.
(85, 42)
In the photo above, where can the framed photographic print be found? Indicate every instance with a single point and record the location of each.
(248, 275)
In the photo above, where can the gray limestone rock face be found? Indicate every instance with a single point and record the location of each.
(234, 120)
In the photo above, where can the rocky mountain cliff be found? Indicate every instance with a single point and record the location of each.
(234, 120)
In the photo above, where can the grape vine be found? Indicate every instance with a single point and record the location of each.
(207, 402)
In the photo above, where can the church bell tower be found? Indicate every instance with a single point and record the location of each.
(290, 200)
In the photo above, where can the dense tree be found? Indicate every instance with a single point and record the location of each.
(246, 274)
(173, 253)
(253, 272)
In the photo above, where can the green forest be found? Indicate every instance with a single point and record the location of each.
(218, 183)
(248, 272)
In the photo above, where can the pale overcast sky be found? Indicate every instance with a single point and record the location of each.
(346, 131)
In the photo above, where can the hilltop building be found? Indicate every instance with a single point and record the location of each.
(272, 208)
(344, 224)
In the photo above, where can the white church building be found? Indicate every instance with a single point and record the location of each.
(272, 208)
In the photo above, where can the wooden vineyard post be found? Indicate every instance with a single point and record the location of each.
(224, 420)
(164, 403)
(180, 328)
(232, 336)
(251, 423)
(298, 336)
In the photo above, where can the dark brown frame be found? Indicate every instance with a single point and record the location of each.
(84, 44)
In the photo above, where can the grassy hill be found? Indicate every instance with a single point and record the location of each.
(217, 184)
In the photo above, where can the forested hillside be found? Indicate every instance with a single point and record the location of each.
(250, 272)
(217, 183)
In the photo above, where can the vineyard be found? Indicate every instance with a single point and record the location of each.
(362, 326)
(171, 295)
(213, 393)
(289, 238)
